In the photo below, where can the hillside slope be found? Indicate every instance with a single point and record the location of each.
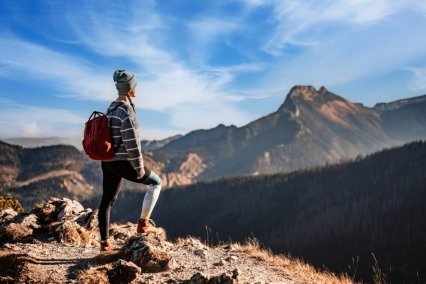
(58, 243)
(326, 215)
(35, 174)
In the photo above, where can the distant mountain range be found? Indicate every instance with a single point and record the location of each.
(311, 128)
(334, 216)
(32, 142)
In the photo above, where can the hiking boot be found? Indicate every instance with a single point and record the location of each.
(106, 245)
(147, 226)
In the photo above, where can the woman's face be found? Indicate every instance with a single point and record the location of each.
(133, 93)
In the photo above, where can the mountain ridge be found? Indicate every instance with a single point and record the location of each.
(312, 127)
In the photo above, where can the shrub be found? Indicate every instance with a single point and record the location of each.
(9, 201)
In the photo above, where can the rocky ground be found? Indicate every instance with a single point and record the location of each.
(58, 243)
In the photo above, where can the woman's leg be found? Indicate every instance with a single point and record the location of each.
(151, 196)
(111, 187)
(124, 169)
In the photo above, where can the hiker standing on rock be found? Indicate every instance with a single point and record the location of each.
(128, 161)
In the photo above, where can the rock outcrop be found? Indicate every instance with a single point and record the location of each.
(58, 243)
(62, 220)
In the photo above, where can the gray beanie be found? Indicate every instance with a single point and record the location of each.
(124, 81)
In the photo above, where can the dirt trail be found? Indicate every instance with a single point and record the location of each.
(48, 175)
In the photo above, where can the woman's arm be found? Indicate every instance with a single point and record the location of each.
(132, 145)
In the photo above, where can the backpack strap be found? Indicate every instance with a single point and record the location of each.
(131, 102)
(114, 108)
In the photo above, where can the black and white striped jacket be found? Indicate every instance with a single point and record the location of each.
(125, 135)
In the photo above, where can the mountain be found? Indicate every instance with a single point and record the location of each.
(58, 242)
(32, 142)
(404, 120)
(151, 145)
(335, 216)
(34, 174)
(311, 128)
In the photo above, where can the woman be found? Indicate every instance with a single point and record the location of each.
(128, 161)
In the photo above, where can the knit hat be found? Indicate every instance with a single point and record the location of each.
(124, 81)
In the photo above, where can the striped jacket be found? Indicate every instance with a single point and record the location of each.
(125, 135)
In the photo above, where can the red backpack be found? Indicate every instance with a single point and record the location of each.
(97, 140)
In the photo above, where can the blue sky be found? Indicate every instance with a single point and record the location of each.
(200, 63)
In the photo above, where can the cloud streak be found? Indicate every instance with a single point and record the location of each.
(418, 83)
(69, 75)
(168, 84)
(182, 60)
(302, 23)
(29, 121)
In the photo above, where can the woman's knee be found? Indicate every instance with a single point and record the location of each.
(154, 179)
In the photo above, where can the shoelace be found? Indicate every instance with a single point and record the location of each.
(152, 222)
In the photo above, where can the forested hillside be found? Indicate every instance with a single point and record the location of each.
(35, 174)
(329, 216)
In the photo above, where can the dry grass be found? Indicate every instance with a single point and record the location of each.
(15, 233)
(74, 235)
(293, 267)
(95, 275)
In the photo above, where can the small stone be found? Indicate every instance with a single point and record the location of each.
(123, 272)
(198, 278)
(200, 252)
(7, 214)
(221, 279)
(231, 258)
(69, 208)
(146, 254)
(219, 263)
(235, 273)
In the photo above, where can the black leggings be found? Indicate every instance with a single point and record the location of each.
(113, 174)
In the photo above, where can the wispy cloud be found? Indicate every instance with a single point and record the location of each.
(167, 83)
(205, 33)
(340, 41)
(418, 83)
(68, 75)
(29, 121)
(130, 38)
(303, 23)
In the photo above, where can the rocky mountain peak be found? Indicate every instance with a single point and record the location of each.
(302, 94)
(322, 90)
(305, 93)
